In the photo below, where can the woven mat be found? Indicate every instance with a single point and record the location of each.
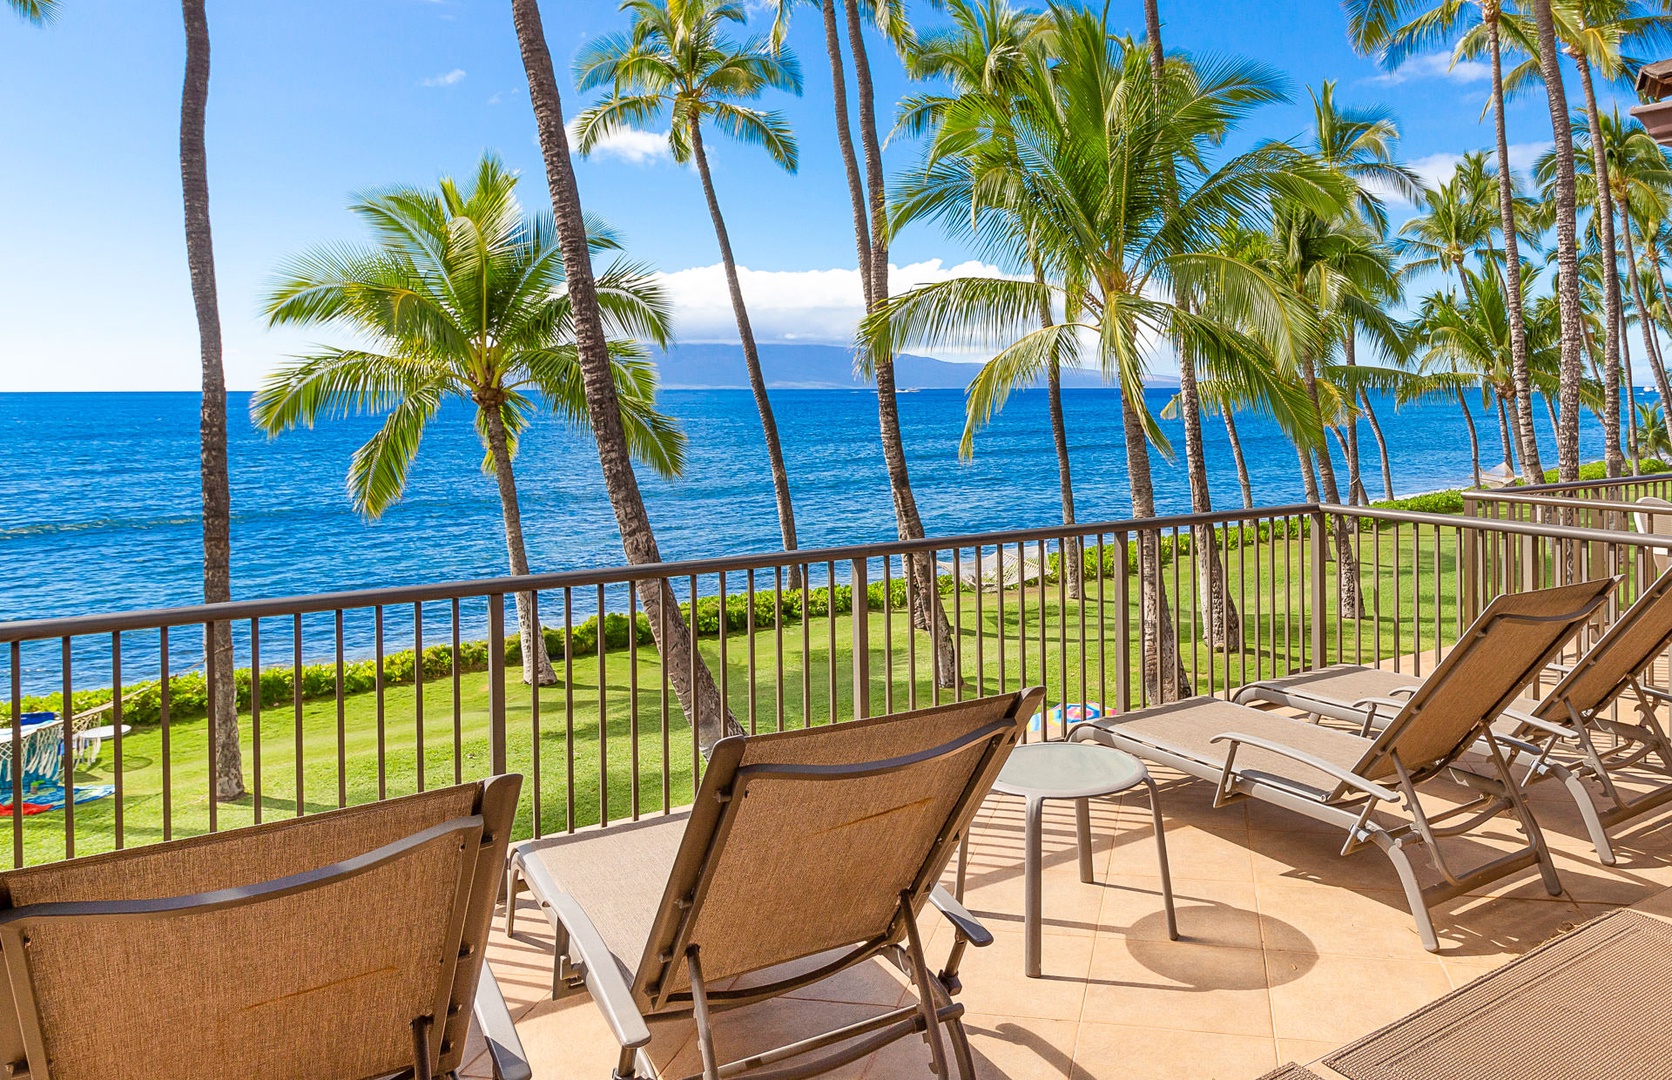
(1290, 1071)
(1589, 1005)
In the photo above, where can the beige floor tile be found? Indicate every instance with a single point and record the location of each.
(1005, 1048)
(1339, 998)
(1178, 985)
(1115, 1052)
(1347, 922)
(1068, 905)
(1302, 1051)
(770, 1024)
(994, 984)
(1497, 928)
(1209, 912)
(1215, 850)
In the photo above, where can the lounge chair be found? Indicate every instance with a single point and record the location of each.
(1343, 779)
(341, 946)
(825, 842)
(1571, 719)
(1655, 520)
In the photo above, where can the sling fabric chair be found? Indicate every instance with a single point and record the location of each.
(1570, 721)
(799, 844)
(1655, 519)
(1342, 779)
(345, 945)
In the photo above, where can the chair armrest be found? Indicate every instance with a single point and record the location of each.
(959, 916)
(1375, 700)
(1351, 779)
(1654, 692)
(604, 980)
(1561, 731)
(493, 1020)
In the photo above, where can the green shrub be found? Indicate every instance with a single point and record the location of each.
(1435, 502)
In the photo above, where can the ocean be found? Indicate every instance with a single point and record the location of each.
(101, 490)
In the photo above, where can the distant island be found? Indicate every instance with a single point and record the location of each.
(827, 367)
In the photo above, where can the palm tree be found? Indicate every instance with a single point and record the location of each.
(674, 60)
(1455, 220)
(217, 493)
(1651, 431)
(869, 196)
(460, 298)
(1567, 249)
(1395, 31)
(1357, 144)
(38, 12)
(1120, 209)
(1224, 628)
(693, 683)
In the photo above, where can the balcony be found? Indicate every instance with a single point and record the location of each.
(1287, 949)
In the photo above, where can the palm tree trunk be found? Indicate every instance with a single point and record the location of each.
(1631, 396)
(1355, 474)
(844, 141)
(1073, 563)
(1474, 437)
(929, 613)
(751, 356)
(1612, 458)
(1567, 251)
(536, 665)
(1503, 431)
(692, 682)
(1308, 476)
(1381, 444)
(1242, 463)
(1531, 469)
(1355, 486)
(1347, 575)
(1644, 321)
(217, 492)
(1163, 674)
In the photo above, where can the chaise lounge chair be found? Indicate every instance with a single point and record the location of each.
(825, 842)
(1343, 779)
(1571, 719)
(343, 945)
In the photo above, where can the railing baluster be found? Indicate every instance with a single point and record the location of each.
(958, 624)
(536, 816)
(633, 693)
(569, 822)
(255, 716)
(980, 629)
(603, 687)
(458, 704)
(418, 689)
(211, 673)
(296, 708)
(15, 753)
(749, 621)
(116, 764)
(830, 655)
(164, 695)
(342, 734)
(377, 687)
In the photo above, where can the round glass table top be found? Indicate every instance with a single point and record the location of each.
(1068, 770)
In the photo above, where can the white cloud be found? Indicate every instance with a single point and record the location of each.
(631, 146)
(451, 78)
(1435, 65)
(821, 307)
(1437, 169)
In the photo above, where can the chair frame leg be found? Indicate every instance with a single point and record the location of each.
(699, 1013)
(1161, 854)
(1032, 888)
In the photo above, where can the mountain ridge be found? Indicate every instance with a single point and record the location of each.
(827, 367)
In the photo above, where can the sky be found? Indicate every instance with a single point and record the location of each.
(312, 101)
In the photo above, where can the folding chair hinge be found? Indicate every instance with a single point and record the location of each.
(17, 1070)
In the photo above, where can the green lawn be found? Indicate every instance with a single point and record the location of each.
(644, 762)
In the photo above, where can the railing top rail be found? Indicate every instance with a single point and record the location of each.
(199, 614)
(1558, 501)
(1604, 482)
(1500, 525)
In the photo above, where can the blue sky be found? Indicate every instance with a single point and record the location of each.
(313, 100)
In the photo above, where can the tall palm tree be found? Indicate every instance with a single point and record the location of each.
(1224, 628)
(675, 61)
(217, 492)
(868, 193)
(462, 297)
(1567, 249)
(1395, 31)
(979, 53)
(693, 683)
(1358, 145)
(1121, 208)
(38, 12)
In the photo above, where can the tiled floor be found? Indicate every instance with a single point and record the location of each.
(1288, 949)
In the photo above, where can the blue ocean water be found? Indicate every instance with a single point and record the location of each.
(100, 491)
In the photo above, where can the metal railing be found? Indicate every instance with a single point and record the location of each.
(381, 692)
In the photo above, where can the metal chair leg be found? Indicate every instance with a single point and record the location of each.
(1032, 888)
(963, 866)
(699, 1012)
(1161, 851)
(1082, 833)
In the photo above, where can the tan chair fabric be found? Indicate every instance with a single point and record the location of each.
(323, 982)
(1588, 1005)
(1657, 524)
(1189, 727)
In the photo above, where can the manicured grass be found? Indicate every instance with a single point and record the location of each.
(802, 673)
